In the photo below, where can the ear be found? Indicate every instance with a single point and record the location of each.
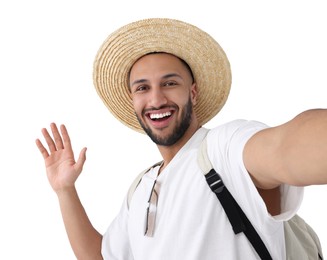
(194, 93)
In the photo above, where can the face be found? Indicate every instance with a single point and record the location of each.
(163, 95)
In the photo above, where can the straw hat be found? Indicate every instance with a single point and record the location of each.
(123, 47)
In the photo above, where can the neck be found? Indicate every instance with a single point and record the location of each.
(168, 152)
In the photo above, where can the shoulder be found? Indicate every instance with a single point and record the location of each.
(236, 129)
(239, 124)
(226, 143)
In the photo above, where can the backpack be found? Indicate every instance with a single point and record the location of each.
(301, 241)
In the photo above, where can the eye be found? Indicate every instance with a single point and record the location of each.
(141, 88)
(170, 83)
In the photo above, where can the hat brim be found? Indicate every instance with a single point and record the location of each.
(207, 60)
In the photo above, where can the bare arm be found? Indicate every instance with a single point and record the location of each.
(84, 239)
(62, 172)
(294, 153)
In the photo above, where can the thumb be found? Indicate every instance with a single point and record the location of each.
(81, 159)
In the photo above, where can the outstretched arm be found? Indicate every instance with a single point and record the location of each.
(294, 153)
(62, 172)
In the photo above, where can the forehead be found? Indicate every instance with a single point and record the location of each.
(156, 58)
(161, 60)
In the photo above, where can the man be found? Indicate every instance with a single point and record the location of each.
(168, 78)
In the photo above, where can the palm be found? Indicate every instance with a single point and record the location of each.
(62, 169)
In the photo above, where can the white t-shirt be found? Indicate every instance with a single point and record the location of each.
(190, 222)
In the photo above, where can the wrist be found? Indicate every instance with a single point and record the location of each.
(66, 191)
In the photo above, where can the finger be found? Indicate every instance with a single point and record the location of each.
(56, 136)
(42, 149)
(81, 159)
(49, 140)
(65, 137)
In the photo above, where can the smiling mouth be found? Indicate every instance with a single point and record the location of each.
(160, 116)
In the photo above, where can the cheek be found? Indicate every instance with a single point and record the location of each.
(137, 104)
(179, 96)
(184, 98)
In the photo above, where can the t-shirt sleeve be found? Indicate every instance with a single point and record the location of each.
(225, 150)
(115, 242)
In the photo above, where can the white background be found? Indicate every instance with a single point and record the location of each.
(278, 54)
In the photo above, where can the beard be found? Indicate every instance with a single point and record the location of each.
(178, 131)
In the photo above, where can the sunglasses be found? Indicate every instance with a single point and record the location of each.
(151, 211)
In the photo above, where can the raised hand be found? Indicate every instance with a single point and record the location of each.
(61, 167)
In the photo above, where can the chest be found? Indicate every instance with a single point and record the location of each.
(184, 215)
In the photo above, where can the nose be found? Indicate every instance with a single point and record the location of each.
(157, 98)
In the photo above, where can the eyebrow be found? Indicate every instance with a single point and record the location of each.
(169, 75)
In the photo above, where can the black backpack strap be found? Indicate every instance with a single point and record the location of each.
(236, 216)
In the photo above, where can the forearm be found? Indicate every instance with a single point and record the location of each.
(83, 237)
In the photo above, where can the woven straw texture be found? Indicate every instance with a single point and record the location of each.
(123, 47)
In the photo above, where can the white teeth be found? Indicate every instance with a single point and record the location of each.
(158, 116)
